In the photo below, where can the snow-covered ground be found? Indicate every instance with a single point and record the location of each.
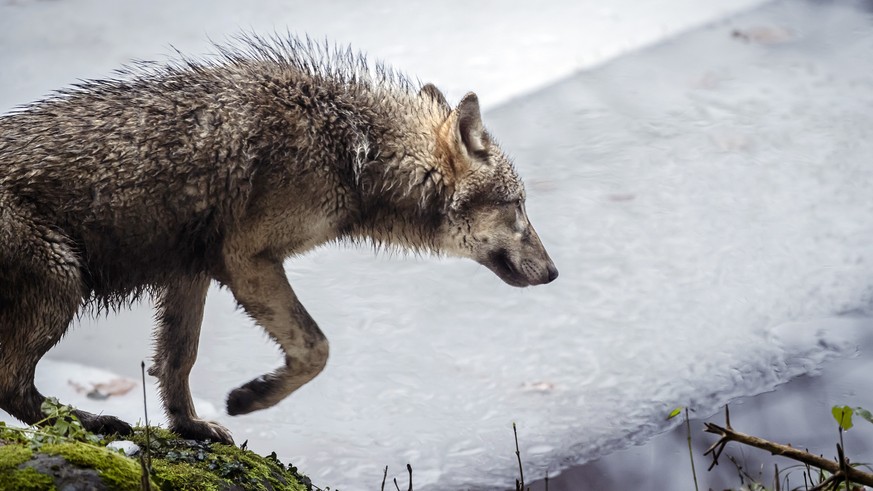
(500, 49)
(696, 197)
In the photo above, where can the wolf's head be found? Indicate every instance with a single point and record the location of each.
(486, 219)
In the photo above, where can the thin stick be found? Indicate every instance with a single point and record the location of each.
(384, 477)
(518, 455)
(845, 462)
(834, 481)
(691, 452)
(147, 461)
(409, 468)
(145, 482)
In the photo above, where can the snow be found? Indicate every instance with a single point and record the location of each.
(498, 49)
(706, 201)
(128, 447)
(72, 382)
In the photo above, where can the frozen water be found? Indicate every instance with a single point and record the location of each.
(704, 200)
(708, 198)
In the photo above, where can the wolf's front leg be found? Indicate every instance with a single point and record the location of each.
(180, 314)
(261, 288)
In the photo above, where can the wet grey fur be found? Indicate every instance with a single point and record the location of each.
(169, 177)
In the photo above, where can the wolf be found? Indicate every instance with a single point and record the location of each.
(169, 176)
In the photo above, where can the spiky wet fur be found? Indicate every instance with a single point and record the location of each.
(172, 175)
(205, 154)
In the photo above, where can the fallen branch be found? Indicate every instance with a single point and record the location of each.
(839, 470)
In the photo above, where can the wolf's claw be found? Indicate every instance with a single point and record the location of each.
(104, 425)
(201, 430)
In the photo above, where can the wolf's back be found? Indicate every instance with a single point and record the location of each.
(138, 175)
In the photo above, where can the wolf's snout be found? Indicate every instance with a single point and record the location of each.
(552, 272)
(546, 273)
(521, 271)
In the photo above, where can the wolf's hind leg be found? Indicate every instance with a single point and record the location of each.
(180, 314)
(260, 286)
(40, 291)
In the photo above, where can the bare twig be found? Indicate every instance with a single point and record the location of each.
(146, 462)
(844, 462)
(808, 472)
(519, 484)
(831, 481)
(839, 470)
(144, 482)
(690, 452)
(745, 476)
(396, 485)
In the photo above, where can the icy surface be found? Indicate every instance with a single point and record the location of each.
(704, 200)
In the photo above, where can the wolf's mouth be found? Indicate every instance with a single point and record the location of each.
(500, 263)
(502, 259)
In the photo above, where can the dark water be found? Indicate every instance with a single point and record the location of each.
(796, 413)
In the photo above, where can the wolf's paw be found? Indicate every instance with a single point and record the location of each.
(201, 430)
(104, 425)
(250, 397)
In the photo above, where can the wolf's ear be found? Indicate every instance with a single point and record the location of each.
(430, 90)
(469, 128)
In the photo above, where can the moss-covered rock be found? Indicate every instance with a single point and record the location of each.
(28, 463)
(13, 476)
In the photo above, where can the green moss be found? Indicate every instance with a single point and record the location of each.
(259, 471)
(176, 464)
(115, 470)
(184, 477)
(11, 435)
(26, 479)
(155, 433)
(11, 456)
(13, 478)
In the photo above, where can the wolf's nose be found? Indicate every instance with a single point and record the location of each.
(553, 273)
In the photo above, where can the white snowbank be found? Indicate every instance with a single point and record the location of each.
(72, 382)
(499, 49)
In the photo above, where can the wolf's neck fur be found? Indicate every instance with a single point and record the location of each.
(379, 129)
(403, 192)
